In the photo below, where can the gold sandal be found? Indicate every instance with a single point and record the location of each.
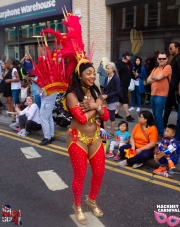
(79, 215)
(92, 204)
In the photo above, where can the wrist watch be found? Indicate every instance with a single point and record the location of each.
(99, 108)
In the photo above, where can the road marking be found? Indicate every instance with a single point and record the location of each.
(34, 140)
(144, 172)
(30, 152)
(92, 221)
(107, 167)
(177, 188)
(52, 180)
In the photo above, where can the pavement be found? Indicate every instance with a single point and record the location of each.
(60, 133)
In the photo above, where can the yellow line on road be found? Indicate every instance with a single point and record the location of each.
(144, 172)
(34, 140)
(35, 144)
(143, 178)
(15, 137)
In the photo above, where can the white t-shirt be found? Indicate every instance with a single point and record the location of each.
(32, 113)
(15, 85)
(136, 82)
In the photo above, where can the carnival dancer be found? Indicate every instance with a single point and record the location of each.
(69, 69)
(83, 138)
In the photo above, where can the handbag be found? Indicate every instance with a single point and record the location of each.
(131, 85)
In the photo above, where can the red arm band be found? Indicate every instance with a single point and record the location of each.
(105, 116)
(79, 115)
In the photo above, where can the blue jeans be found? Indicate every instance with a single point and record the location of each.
(37, 99)
(157, 104)
(177, 136)
(136, 94)
(15, 95)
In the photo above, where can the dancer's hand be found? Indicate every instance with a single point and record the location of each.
(87, 106)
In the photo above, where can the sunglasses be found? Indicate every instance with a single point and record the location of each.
(171, 48)
(161, 59)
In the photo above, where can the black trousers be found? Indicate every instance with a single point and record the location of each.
(28, 124)
(170, 102)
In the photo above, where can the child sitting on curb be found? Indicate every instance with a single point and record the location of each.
(168, 151)
(122, 138)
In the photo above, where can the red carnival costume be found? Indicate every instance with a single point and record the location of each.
(54, 73)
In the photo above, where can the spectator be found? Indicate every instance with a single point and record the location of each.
(29, 118)
(143, 139)
(6, 87)
(124, 70)
(26, 63)
(20, 69)
(3, 59)
(139, 76)
(159, 80)
(15, 81)
(122, 138)
(174, 49)
(25, 91)
(15, 125)
(47, 105)
(102, 72)
(35, 90)
(168, 150)
(111, 94)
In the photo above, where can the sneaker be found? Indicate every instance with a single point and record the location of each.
(132, 108)
(122, 163)
(137, 165)
(171, 165)
(110, 155)
(160, 170)
(117, 157)
(24, 133)
(138, 109)
(20, 131)
(118, 116)
(129, 118)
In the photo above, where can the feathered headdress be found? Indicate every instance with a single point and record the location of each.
(55, 68)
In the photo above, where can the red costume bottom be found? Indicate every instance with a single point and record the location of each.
(79, 158)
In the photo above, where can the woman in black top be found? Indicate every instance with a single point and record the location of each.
(6, 87)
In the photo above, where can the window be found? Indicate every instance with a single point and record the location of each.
(11, 34)
(153, 14)
(129, 17)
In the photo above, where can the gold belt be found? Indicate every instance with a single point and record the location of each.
(77, 135)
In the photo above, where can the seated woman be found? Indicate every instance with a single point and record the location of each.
(29, 118)
(143, 139)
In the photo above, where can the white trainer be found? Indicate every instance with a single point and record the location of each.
(132, 108)
(137, 165)
(24, 133)
(138, 109)
(122, 163)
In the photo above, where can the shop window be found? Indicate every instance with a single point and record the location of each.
(153, 14)
(55, 24)
(11, 34)
(129, 17)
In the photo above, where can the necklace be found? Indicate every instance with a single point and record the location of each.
(87, 92)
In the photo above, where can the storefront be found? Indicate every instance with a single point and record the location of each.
(22, 21)
(144, 28)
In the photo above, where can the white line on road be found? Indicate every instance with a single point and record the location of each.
(92, 221)
(30, 152)
(52, 180)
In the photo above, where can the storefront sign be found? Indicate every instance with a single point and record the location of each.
(32, 9)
